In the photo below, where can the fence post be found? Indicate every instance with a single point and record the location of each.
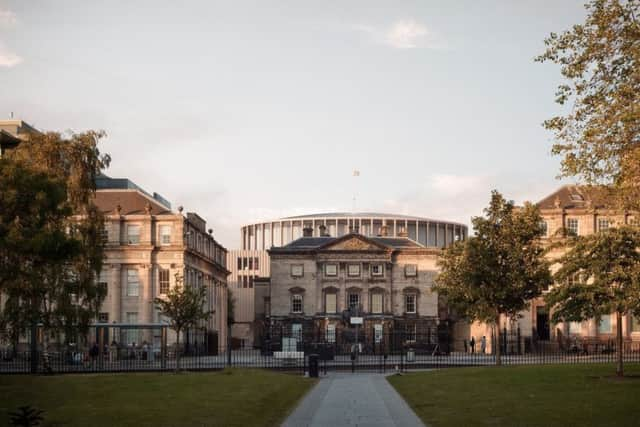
(34, 348)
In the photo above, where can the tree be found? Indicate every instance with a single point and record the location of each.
(35, 249)
(75, 161)
(498, 271)
(599, 275)
(599, 136)
(185, 308)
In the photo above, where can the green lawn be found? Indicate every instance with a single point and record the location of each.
(229, 398)
(583, 395)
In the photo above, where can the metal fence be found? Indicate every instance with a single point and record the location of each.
(393, 351)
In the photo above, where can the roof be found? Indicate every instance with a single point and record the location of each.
(577, 197)
(318, 243)
(131, 202)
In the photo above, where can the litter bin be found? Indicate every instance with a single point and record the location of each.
(313, 365)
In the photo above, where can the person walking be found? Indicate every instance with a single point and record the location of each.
(483, 344)
(472, 344)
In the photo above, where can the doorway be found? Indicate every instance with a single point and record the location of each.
(542, 323)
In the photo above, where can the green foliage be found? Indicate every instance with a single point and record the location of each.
(500, 269)
(599, 275)
(26, 416)
(185, 308)
(56, 287)
(599, 136)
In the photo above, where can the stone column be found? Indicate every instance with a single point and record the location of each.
(116, 296)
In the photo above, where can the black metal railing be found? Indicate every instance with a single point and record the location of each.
(373, 352)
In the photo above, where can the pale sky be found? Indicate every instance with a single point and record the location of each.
(250, 110)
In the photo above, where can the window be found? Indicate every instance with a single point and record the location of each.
(330, 303)
(331, 333)
(604, 324)
(164, 281)
(251, 282)
(103, 318)
(410, 303)
(377, 333)
(239, 282)
(575, 327)
(256, 263)
(544, 227)
(105, 233)
(410, 332)
(165, 234)
(239, 263)
(104, 287)
(572, 226)
(297, 270)
(603, 224)
(354, 302)
(296, 303)
(635, 324)
(132, 283)
(133, 234)
(330, 270)
(634, 222)
(410, 270)
(245, 282)
(251, 263)
(376, 303)
(296, 331)
(377, 269)
(353, 270)
(131, 334)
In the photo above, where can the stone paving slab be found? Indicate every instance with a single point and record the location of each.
(341, 399)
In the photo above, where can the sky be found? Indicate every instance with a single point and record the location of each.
(246, 111)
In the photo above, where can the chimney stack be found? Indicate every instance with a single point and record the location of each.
(307, 232)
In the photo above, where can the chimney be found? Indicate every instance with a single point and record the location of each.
(307, 232)
(323, 231)
(384, 231)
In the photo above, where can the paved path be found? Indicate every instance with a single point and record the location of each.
(341, 399)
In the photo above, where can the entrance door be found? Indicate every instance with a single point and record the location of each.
(542, 324)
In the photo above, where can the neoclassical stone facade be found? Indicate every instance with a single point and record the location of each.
(146, 246)
(386, 280)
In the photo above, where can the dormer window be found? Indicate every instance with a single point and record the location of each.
(297, 270)
(577, 197)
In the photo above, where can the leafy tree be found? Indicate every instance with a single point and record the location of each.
(35, 249)
(185, 308)
(26, 416)
(75, 161)
(599, 136)
(499, 270)
(599, 275)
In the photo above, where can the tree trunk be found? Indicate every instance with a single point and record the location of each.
(177, 350)
(619, 368)
(498, 340)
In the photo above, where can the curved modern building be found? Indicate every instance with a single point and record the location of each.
(426, 231)
(251, 261)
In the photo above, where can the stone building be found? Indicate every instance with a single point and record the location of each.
(250, 264)
(385, 280)
(570, 210)
(147, 245)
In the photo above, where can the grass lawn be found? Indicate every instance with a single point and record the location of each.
(229, 398)
(578, 395)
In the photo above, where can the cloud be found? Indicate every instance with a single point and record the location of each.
(403, 34)
(458, 184)
(8, 58)
(7, 18)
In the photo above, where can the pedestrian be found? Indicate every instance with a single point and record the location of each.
(94, 352)
(472, 344)
(464, 341)
(483, 344)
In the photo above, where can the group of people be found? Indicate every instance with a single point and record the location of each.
(471, 345)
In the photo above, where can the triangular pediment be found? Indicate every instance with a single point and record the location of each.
(353, 242)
